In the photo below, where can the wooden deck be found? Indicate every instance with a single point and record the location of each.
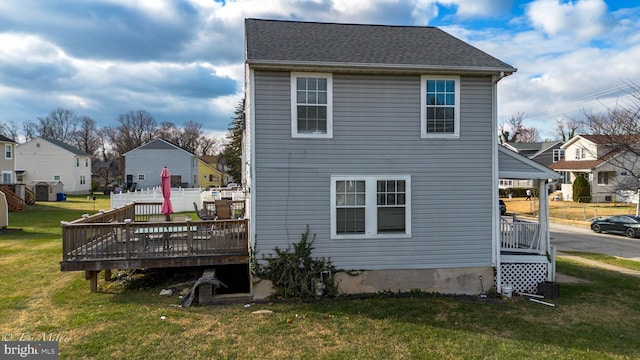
(125, 239)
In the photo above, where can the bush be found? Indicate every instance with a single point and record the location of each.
(581, 190)
(295, 274)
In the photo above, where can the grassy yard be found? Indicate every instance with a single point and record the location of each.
(568, 210)
(128, 320)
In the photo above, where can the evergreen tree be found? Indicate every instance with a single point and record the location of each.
(232, 153)
(581, 190)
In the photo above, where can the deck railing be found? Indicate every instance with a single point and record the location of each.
(520, 236)
(130, 239)
(139, 231)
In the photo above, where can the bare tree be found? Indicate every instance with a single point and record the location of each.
(9, 130)
(86, 138)
(169, 132)
(60, 124)
(528, 135)
(567, 129)
(619, 128)
(134, 129)
(510, 129)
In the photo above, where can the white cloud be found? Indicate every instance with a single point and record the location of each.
(584, 19)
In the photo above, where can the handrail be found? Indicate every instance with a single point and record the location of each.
(520, 236)
(82, 241)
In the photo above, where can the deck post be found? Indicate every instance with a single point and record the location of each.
(107, 275)
(189, 236)
(127, 223)
(92, 276)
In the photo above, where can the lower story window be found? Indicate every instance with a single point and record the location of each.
(370, 206)
(603, 178)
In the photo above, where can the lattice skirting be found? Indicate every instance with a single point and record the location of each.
(524, 277)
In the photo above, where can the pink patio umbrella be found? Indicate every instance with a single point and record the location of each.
(165, 184)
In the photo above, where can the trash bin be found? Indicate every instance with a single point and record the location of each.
(61, 197)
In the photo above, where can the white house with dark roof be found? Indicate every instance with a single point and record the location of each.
(383, 141)
(45, 160)
(607, 169)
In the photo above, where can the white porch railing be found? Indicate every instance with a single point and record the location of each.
(520, 236)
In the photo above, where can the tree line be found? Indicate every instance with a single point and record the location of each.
(133, 129)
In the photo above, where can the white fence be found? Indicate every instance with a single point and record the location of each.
(182, 199)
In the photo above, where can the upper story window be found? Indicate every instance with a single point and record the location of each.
(440, 106)
(311, 105)
(8, 151)
(370, 206)
(558, 154)
(77, 162)
(581, 153)
(86, 162)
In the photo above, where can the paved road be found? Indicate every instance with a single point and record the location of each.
(573, 238)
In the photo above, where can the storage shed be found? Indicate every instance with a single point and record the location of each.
(47, 190)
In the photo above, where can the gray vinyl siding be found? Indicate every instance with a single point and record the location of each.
(151, 161)
(376, 131)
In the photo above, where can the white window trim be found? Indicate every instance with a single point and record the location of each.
(140, 177)
(10, 147)
(603, 178)
(423, 108)
(371, 205)
(294, 105)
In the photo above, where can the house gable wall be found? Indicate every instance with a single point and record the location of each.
(376, 132)
(43, 160)
(150, 162)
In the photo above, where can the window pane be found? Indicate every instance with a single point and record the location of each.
(450, 86)
(450, 99)
(322, 98)
(322, 84)
(312, 84)
(350, 220)
(431, 86)
(391, 219)
(302, 83)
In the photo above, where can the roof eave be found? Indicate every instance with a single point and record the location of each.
(313, 65)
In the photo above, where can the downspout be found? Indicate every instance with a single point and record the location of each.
(496, 243)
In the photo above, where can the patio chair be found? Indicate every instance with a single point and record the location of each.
(223, 209)
(203, 214)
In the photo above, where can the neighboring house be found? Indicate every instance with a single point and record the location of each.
(590, 156)
(107, 174)
(208, 173)
(44, 160)
(8, 160)
(144, 164)
(383, 141)
(545, 153)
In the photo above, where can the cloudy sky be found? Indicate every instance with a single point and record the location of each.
(183, 60)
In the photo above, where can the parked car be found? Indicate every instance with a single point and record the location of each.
(619, 224)
(503, 207)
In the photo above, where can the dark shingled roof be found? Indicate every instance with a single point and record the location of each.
(293, 42)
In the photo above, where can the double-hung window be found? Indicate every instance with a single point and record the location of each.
(370, 206)
(603, 178)
(311, 105)
(440, 106)
(8, 151)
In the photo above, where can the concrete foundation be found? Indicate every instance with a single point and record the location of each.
(469, 281)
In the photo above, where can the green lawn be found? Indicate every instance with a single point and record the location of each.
(598, 320)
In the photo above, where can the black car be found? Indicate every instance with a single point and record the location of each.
(503, 207)
(619, 224)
